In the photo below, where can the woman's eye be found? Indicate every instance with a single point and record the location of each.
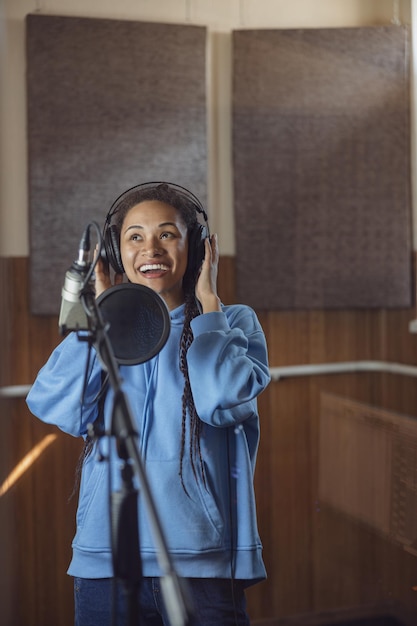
(135, 237)
(166, 235)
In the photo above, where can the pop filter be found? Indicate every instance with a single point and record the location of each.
(138, 320)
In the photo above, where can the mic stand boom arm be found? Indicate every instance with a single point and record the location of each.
(177, 602)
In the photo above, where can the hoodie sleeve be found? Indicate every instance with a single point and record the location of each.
(227, 364)
(56, 396)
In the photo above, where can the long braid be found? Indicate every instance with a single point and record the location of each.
(188, 406)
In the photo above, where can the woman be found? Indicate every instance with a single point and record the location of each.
(195, 409)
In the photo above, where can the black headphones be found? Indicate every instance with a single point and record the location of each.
(132, 196)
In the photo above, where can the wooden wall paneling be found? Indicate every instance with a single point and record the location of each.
(45, 526)
(331, 336)
(317, 558)
(6, 312)
(346, 336)
(288, 338)
(8, 511)
(355, 567)
(397, 393)
(400, 344)
(259, 596)
(292, 497)
(35, 512)
(295, 338)
(354, 564)
(34, 336)
(54, 523)
(351, 582)
(19, 363)
(8, 531)
(316, 333)
(226, 280)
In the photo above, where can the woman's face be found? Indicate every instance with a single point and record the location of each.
(154, 249)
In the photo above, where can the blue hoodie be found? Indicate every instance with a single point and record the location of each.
(211, 531)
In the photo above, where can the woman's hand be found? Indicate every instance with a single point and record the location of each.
(103, 279)
(206, 286)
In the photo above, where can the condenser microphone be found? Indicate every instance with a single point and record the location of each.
(72, 315)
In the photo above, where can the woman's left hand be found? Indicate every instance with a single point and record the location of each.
(206, 286)
(102, 275)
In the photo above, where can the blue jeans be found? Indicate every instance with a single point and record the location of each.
(102, 602)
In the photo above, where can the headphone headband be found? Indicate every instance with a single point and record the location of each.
(179, 189)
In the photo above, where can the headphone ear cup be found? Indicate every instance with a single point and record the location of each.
(112, 248)
(196, 250)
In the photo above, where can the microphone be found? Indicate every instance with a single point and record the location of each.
(72, 315)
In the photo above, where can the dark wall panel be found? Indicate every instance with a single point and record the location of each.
(110, 104)
(322, 167)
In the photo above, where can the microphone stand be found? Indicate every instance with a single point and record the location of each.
(127, 561)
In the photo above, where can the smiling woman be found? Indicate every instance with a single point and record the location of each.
(154, 249)
(195, 409)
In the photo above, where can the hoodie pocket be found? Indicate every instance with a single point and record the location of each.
(93, 514)
(191, 523)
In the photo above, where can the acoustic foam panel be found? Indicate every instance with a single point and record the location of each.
(111, 104)
(322, 167)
